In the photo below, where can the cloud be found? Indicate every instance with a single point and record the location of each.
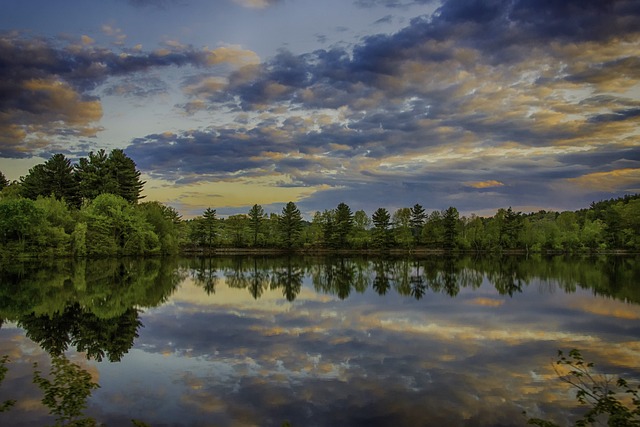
(485, 184)
(620, 180)
(45, 85)
(257, 4)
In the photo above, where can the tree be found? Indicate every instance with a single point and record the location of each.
(615, 402)
(256, 220)
(4, 182)
(402, 227)
(165, 222)
(360, 236)
(52, 178)
(115, 227)
(290, 224)
(126, 176)
(20, 222)
(510, 225)
(381, 223)
(209, 227)
(417, 220)
(94, 176)
(66, 393)
(343, 225)
(450, 225)
(235, 226)
(433, 230)
(115, 174)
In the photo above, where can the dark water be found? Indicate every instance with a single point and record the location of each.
(242, 341)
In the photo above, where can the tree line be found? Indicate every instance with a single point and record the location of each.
(94, 208)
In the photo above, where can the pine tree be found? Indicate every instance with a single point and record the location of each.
(418, 218)
(343, 224)
(4, 182)
(209, 226)
(450, 225)
(381, 223)
(114, 174)
(126, 176)
(290, 223)
(53, 177)
(94, 176)
(256, 218)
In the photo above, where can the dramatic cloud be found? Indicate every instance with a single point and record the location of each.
(477, 104)
(46, 86)
(507, 87)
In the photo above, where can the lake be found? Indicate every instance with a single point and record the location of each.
(318, 341)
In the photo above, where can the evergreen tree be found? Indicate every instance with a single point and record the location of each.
(4, 182)
(114, 174)
(510, 228)
(256, 219)
(94, 176)
(450, 224)
(126, 176)
(417, 220)
(52, 178)
(290, 223)
(209, 227)
(381, 223)
(343, 225)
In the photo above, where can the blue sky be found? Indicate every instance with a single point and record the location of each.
(533, 104)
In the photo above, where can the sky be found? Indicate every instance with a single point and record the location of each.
(533, 104)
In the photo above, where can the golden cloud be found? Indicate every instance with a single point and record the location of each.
(484, 184)
(62, 101)
(627, 179)
(487, 302)
(232, 55)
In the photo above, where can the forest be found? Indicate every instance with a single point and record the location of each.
(95, 208)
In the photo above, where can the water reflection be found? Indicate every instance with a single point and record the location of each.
(319, 340)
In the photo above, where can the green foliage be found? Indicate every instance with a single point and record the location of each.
(402, 228)
(290, 225)
(53, 178)
(381, 223)
(20, 222)
(7, 404)
(114, 174)
(450, 228)
(115, 227)
(4, 182)
(208, 227)
(164, 222)
(343, 225)
(417, 220)
(66, 393)
(360, 236)
(604, 397)
(256, 221)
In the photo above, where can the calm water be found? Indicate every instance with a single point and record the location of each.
(241, 341)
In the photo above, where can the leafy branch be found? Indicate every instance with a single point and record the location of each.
(603, 394)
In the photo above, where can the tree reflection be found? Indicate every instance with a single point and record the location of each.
(381, 282)
(112, 337)
(90, 305)
(289, 278)
(204, 273)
